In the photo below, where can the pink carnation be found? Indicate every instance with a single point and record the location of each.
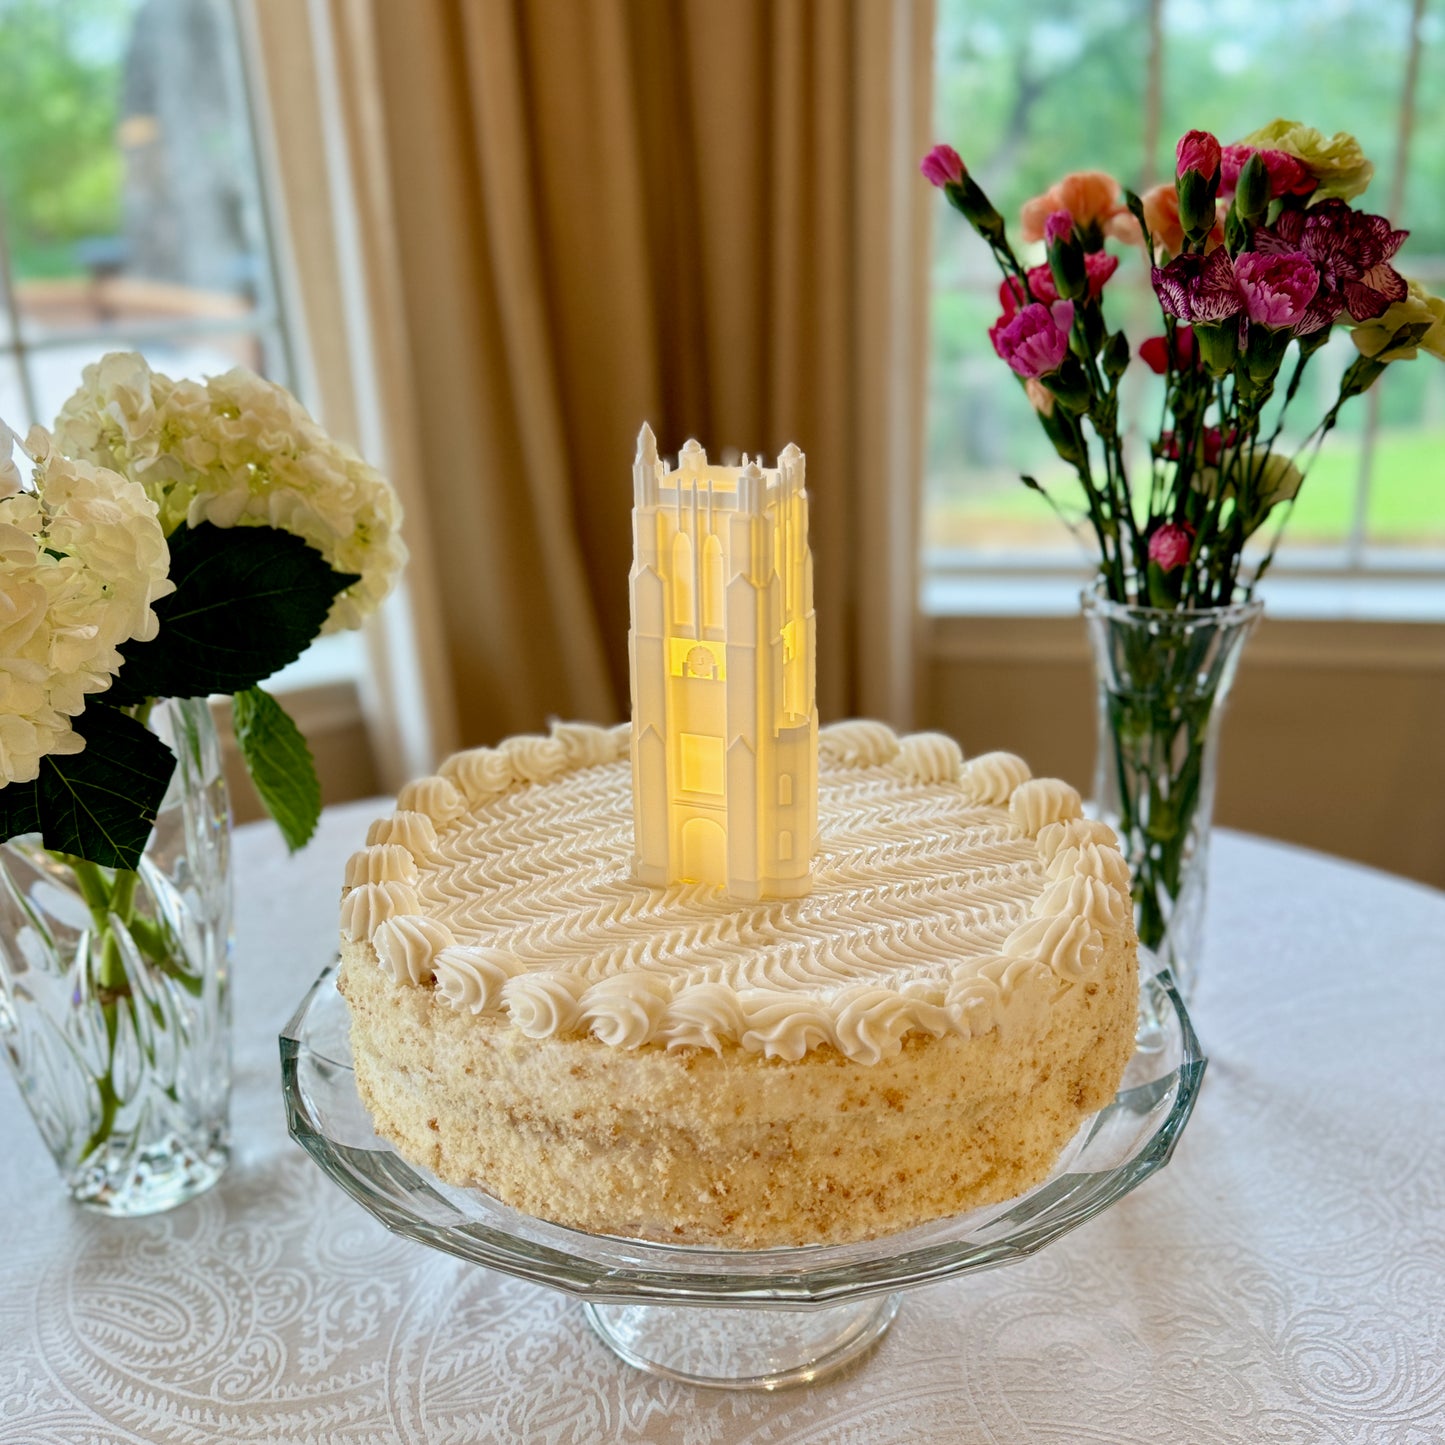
(1169, 546)
(1277, 289)
(1198, 151)
(942, 166)
(1288, 175)
(1098, 265)
(1058, 226)
(1035, 341)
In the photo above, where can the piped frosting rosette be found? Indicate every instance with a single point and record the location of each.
(503, 884)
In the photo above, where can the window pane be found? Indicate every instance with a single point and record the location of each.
(128, 181)
(1231, 66)
(1033, 98)
(12, 399)
(1028, 99)
(1407, 487)
(55, 370)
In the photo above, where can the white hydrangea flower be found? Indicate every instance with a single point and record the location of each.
(83, 559)
(237, 450)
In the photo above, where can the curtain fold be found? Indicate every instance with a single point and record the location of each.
(610, 211)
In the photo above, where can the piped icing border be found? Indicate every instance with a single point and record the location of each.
(1058, 945)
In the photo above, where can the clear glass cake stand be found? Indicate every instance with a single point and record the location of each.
(759, 1319)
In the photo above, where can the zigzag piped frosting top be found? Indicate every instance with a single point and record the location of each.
(947, 897)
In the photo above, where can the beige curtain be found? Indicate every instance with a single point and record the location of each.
(697, 213)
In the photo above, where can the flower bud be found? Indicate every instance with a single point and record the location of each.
(967, 197)
(1198, 151)
(1070, 385)
(942, 166)
(1218, 345)
(1196, 203)
(1265, 351)
(1236, 233)
(1169, 546)
(1066, 257)
(1362, 373)
(1116, 355)
(1251, 196)
(1059, 226)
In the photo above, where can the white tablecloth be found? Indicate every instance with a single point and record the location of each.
(1282, 1281)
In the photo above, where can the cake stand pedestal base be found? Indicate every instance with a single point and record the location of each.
(741, 1347)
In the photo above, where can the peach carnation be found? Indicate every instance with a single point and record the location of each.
(1091, 198)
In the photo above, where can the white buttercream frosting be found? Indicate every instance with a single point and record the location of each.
(366, 907)
(543, 1004)
(382, 863)
(434, 797)
(930, 758)
(407, 944)
(1041, 801)
(948, 896)
(472, 978)
(414, 831)
(625, 1010)
(991, 778)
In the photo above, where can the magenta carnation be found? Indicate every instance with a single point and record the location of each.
(1198, 151)
(1350, 250)
(1098, 266)
(942, 166)
(1169, 547)
(1288, 175)
(1035, 341)
(1277, 289)
(1058, 227)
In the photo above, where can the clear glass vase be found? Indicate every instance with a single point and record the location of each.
(1163, 678)
(114, 992)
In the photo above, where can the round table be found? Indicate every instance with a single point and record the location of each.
(1282, 1281)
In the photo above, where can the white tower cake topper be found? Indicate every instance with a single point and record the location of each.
(724, 722)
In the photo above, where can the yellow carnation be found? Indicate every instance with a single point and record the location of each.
(1396, 335)
(1276, 479)
(1337, 163)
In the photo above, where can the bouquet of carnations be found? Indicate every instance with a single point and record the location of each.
(1255, 254)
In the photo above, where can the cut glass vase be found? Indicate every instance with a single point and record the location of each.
(114, 992)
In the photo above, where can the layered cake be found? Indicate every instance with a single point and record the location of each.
(719, 977)
(918, 1035)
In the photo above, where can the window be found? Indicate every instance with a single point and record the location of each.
(132, 211)
(1111, 86)
(133, 214)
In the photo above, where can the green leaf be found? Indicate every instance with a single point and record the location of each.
(19, 809)
(100, 804)
(248, 600)
(279, 763)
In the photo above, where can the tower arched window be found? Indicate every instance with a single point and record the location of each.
(712, 582)
(682, 579)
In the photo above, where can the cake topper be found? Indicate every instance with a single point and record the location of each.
(724, 716)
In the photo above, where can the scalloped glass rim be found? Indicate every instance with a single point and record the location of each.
(1113, 1153)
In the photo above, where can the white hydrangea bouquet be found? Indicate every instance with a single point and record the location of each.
(172, 541)
(176, 539)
